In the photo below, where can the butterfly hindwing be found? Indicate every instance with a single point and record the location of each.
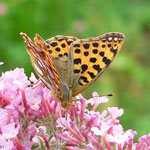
(58, 49)
(42, 63)
(59, 45)
(88, 58)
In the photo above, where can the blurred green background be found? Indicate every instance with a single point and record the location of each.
(129, 75)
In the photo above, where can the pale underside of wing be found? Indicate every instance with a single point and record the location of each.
(88, 58)
(42, 63)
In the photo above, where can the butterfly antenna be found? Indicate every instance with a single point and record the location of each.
(108, 95)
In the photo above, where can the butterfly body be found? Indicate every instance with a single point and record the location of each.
(68, 65)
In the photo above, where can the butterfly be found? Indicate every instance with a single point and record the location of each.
(68, 65)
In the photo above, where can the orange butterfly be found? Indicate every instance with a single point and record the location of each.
(67, 65)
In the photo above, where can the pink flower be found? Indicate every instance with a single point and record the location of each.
(7, 125)
(118, 135)
(103, 129)
(3, 117)
(6, 144)
(9, 130)
(13, 96)
(143, 143)
(16, 78)
(31, 131)
(96, 100)
(63, 122)
(90, 147)
(34, 96)
(15, 111)
(31, 117)
(33, 78)
(115, 112)
(27, 145)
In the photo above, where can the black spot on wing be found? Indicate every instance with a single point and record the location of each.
(76, 45)
(66, 54)
(97, 68)
(77, 51)
(61, 39)
(86, 45)
(84, 68)
(93, 60)
(95, 44)
(53, 44)
(76, 71)
(106, 61)
(114, 51)
(84, 80)
(57, 49)
(109, 45)
(86, 53)
(47, 46)
(103, 40)
(103, 46)
(95, 51)
(60, 55)
(69, 42)
(77, 61)
(91, 74)
(63, 45)
(102, 54)
(50, 51)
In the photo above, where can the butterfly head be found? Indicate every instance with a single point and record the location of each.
(67, 105)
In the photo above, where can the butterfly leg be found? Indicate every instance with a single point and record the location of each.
(34, 85)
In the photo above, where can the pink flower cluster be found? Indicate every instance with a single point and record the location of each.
(30, 118)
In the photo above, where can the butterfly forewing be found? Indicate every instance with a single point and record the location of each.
(90, 57)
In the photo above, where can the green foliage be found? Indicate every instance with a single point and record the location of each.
(128, 76)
